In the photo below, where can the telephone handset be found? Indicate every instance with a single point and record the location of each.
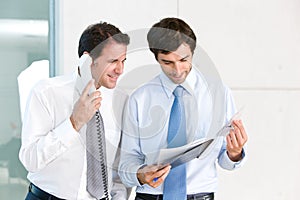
(85, 76)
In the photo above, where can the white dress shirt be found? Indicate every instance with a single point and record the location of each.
(145, 131)
(53, 152)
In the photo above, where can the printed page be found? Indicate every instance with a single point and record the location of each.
(197, 149)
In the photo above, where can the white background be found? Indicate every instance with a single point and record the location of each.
(254, 44)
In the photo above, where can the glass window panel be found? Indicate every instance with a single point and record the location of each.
(23, 40)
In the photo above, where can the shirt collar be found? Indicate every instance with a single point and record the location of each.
(188, 84)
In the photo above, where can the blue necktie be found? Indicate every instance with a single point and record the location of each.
(175, 183)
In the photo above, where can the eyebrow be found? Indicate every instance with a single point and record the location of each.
(172, 61)
(115, 59)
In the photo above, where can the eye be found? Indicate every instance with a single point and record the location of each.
(113, 61)
(183, 60)
(167, 63)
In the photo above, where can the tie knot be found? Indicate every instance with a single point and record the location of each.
(178, 92)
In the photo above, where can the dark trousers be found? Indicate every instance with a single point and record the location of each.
(31, 196)
(200, 196)
(35, 193)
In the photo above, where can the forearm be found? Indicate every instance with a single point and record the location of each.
(128, 169)
(131, 160)
(131, 156)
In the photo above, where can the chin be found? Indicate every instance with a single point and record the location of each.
(110, 86)
(178, 81)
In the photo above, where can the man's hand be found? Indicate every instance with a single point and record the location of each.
(236, 139)
(153, 175)
(85, 107)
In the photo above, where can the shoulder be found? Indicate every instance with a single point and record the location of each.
(147, 88)
(52, 86)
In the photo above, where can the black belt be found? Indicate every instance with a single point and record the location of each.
(41, 194)
(199, 196)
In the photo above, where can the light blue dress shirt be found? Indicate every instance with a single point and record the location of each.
(145, 131)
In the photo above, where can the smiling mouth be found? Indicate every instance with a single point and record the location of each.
(177, 77)
(115, 77)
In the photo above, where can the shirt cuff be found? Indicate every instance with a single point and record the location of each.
(239, 163)
(229, 164)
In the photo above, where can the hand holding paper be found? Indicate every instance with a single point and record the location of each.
(153, 175)
(236, 140)
(233, 131)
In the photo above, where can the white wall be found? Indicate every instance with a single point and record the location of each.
(127, 15)
(254, 45)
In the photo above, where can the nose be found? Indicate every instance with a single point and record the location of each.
(119, 67)
(177, 68)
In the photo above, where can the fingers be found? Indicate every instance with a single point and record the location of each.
(241, 128)
(240, 132)
(86, 106)
(160, 177)
(145, 174)
(153, 175)
(96, 99)
(232, 138)
(87, 88)
(236, 139)
(237, 136)
(97, 103)
(229, 142)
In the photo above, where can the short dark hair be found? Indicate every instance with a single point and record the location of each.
(168, 34)
(95, 37)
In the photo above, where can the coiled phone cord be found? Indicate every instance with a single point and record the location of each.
(99, 120)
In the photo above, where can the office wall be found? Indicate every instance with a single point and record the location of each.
(129, 16)
(254, 45)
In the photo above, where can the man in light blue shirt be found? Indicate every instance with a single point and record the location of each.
(147, 116)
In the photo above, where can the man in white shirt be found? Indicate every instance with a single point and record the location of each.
(54, 128)
(173, 43)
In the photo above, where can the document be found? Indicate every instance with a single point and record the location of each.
(197, 149)
(183, 154)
